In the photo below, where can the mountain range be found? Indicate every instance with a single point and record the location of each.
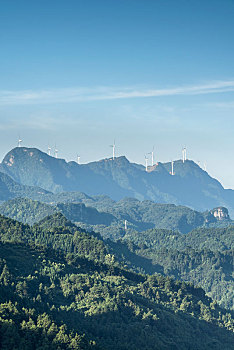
(95, 230)
(113, 219)
(190, 186)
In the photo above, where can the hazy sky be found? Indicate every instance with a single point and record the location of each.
(159, 73)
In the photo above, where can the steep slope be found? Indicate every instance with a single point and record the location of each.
(26, 210)
(203, 256)
(209, 263)
(48, 300)
(11, 189)
(190, 186)
(118, 178)
(32, 167)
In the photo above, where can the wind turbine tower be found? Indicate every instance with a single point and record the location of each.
(78, 159)
(125, 225)
(56, 152)
(113, 150)
(184, 154)
(172, 168)
(49, 151)
(152, 157)
(146, 163)
(19, 142)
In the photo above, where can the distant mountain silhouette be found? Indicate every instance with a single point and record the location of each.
(190, 186)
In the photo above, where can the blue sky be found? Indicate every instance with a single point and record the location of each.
(159, 73)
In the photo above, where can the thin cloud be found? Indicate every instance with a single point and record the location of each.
(223, 105)
(71, 95)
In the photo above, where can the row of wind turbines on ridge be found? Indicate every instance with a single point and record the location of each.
(148, 168)
(49, 150)
(153, 165)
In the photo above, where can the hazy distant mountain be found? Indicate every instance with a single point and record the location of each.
(11, 189)
(190, 186)
(30, 166)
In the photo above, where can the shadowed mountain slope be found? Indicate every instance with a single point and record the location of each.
(11, 189)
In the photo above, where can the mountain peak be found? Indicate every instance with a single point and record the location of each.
(19, 153)
(119, 178)
(116, 161)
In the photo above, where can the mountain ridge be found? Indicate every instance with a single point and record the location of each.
(190, 186)
(114, 219)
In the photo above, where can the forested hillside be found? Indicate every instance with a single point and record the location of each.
(203, 257)
(73, 294)
(103, 215)
(197, 257)
(115, 266)
(11, 189)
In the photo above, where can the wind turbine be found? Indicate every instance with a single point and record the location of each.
(172, 168)
(19, 142)
(146, 163)
(113, 149)
(49, 151)
(152, 156)
(56, 152)
(184, 154)
(125, 225)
